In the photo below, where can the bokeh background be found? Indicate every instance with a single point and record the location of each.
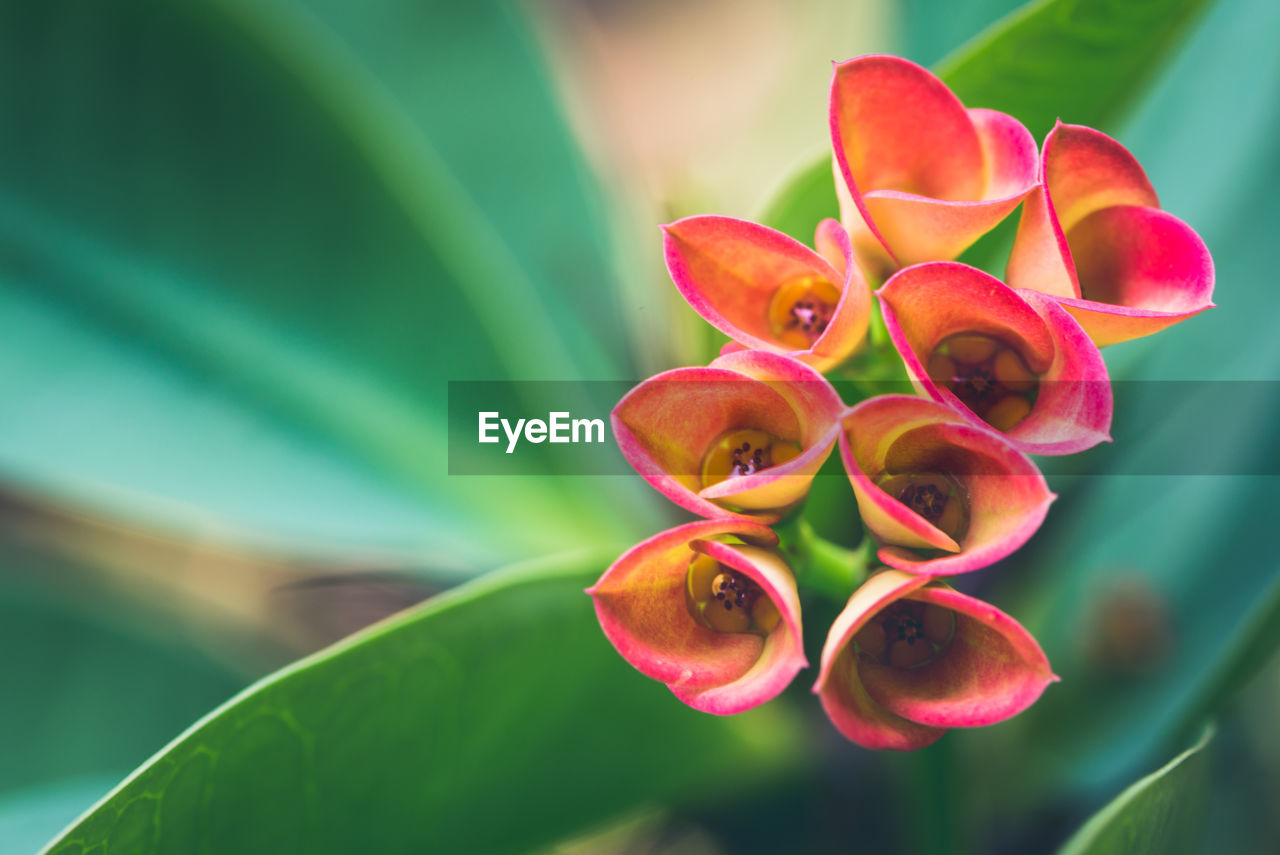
(244, 247)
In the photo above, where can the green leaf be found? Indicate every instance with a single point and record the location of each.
(494, 718)
(1084, 60)
(28, 817)
(1162, 813)
(1253, 647)
(1190, 541)
(802, 200)
(247, 243)
(92, 684)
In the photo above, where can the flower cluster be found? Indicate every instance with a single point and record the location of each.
(942, 479)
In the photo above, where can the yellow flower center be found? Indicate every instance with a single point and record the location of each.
(938, 497)
(989, 376)
(744, 452)
(801, 309)
(726, 600)
(906, 634)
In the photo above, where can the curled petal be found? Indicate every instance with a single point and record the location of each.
(1140, 270)
(1094, 237)
(641, 604)
(987, 669)
(919, 177)
(925, 304)
(667, 425)
(734, 273)
(1003, 495)
(1086, 171)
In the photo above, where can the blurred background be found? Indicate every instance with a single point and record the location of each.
(244, 247)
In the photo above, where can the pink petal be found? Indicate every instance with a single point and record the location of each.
(640, 602)
(915, 171)
(729, 270)
(1040, 259)
(1008, 497)
(1085, 171)
(992, 670)
(1009, 152)
(665, 425)
(1140, 270)
(1094, 237)
(924, 304)
(845, 701)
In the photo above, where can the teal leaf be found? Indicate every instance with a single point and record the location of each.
(1086, 61)
(495, 718)
(1189, 539)
(245, 247)
(1161, 814)
(93, 683)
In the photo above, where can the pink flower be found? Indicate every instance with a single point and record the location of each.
(940, 495)
(741, 438)
(906, 660)
(920, 177)
(1011, 360)
(708, 609)
(1094, 237)
(767, 291)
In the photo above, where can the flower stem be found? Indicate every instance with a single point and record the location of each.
(820, 565)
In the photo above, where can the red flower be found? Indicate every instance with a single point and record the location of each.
(920, 177)
(906, 660)
(1094, 237)
(940, 495)
(1010, 360)
(708, 609)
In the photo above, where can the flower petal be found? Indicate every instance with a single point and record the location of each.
(782, 655)
(1009, 153)
(1094, 237)
(1140, 270)
(845, 701)
(1085, 171)
(1007, 496)
(916, 172)
(665, 425)
(926, 303)
(640, 602)
(895, 126)
(993, 669)
(730, 270)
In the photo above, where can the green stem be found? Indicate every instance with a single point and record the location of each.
(820, 565)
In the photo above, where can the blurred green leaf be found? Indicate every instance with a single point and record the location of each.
(1253, 646)
(1190, 540)
(1084, 60)
(492, 719)
(91, 684)
(29, 817)
(804, 199)
(1162, 813)
(244, 245)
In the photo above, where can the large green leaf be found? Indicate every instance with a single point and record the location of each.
(1085, 61)
(1158, 815)
(245, 244)
(491, 719)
